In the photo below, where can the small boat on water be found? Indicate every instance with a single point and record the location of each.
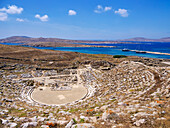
(140, 52)
(125, 50)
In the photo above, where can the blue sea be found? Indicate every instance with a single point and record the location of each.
(143, 46)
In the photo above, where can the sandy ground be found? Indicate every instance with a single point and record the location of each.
(46, 96)
(152, 52)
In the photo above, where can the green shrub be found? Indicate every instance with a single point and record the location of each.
(74, 121)
(23, 115)
(82, 121)
(119, 56)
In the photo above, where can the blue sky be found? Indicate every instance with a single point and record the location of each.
(85, 19)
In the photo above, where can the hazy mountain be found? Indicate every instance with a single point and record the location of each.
(25, 39)
(57, 42)
(47, 41)
(142, 39)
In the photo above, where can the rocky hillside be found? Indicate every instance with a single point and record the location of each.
(129, 95)
(122, 92)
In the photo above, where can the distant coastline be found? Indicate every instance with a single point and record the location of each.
(96, 46)
(144, 49)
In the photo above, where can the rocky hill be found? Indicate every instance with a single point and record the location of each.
(49, 42)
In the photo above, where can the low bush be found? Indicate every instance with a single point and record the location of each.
(119, 56)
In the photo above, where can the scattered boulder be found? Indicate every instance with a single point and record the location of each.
(61, 122)
(139, 122)
(4, 121)
(109, 115)
(70, 124)
(12, 125)
(29, 124)
(44, 126)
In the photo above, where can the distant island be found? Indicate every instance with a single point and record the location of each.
(142, 39)
(57, 42)
(53, 42)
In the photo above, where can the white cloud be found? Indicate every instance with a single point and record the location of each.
(20, 20)
(107, 8)
(97, 11)
(42, 18)
(72, 12)
(13, 9)
(101, 9)
(3, 16)
(122, 12)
